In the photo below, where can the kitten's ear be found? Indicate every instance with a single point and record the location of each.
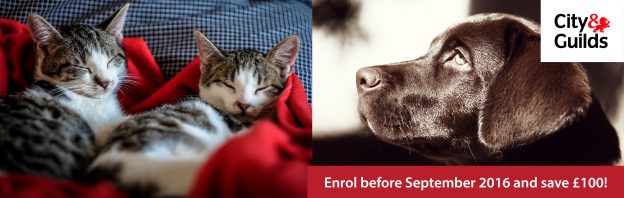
(115, 24)
(208, 53)
(285, 54)
(45, 36)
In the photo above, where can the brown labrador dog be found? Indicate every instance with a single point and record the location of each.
(480, 95)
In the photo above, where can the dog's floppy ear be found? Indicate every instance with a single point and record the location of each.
(528, 99)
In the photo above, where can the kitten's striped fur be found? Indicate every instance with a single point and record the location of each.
(50, 129)
(159, 152)
(40, 136)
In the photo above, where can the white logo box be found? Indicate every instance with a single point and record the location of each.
(613, 10)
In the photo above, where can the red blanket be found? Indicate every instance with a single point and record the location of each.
(269, 160)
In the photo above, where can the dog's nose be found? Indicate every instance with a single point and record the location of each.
(367, 78)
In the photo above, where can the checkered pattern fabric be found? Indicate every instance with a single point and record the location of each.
(167, 25)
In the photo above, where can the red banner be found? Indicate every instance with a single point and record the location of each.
(447, 181)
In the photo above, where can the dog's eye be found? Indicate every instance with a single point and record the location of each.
(458, 61)
(459, 58)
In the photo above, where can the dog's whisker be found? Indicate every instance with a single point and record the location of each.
(384, 122)
(471, 153)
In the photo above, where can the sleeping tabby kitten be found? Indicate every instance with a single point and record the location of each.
(49, 129)
(159, 152)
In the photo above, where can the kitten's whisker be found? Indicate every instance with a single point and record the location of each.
(127, 87)
(131, 82)
(131, 77)
(125, 90)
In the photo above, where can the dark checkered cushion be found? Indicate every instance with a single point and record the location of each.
(167, 26)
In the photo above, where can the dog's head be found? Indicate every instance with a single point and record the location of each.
(480, 85)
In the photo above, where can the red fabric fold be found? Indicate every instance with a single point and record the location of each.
(144, 76)
(268, 160)
(185, 83)
(16, 56)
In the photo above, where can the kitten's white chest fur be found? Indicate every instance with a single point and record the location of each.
(102, 115)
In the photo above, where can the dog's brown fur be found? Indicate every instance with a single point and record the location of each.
(506, 108)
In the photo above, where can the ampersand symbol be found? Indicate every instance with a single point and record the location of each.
(592, 20)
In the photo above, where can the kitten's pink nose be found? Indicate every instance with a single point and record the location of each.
(242, 106)
(102, 82)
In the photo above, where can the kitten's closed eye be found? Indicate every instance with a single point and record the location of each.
(224, 83)
(112, 60)
(76, 67)
(229, 86)
(261, 89)
(83, 68)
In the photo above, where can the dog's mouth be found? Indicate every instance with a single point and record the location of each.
(380, 123)
(391, 132)
(439, 151)
(386, 119)
(397, 126)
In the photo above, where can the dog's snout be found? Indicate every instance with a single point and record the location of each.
(367, 78)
